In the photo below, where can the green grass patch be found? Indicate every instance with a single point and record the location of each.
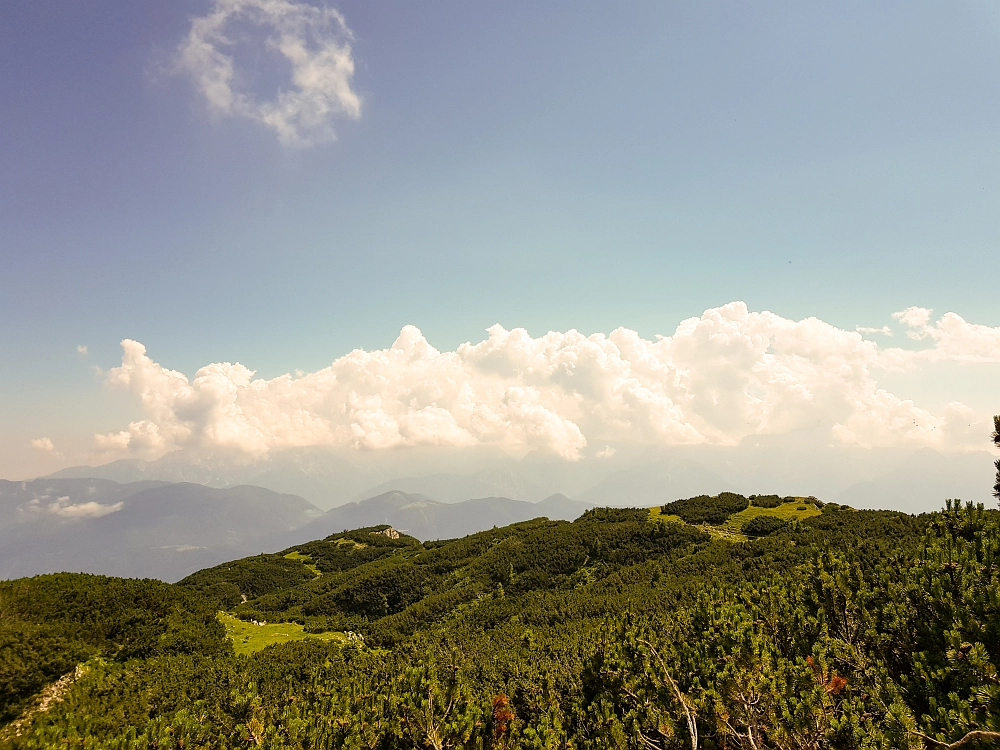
(657, 514)
(786, 512)
(725, 532)
(305, 560)
(248, 638)
(731, 530)
(719, 532)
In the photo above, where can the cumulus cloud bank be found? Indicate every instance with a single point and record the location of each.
(719, 378)
(313, 42)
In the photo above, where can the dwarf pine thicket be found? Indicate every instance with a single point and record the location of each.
(623, 629)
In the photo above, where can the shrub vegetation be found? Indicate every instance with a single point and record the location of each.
(710, 509)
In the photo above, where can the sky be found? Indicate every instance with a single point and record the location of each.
(279, 184)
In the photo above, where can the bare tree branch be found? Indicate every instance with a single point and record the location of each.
(689, 714)
(977, 735)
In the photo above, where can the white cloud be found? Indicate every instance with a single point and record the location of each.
(81, 349)
(719, 378)
(883, 331)
(954, 339)
(913, 316)
(64, 509)
(313, 42)
(43, 444)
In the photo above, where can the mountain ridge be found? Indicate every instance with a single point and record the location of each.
(166, 530)
(908, 480)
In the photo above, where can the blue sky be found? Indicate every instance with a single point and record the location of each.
(547, 165)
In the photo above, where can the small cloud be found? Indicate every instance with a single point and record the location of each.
(883, 331)
(914, 316)
(43, 444)
(607, 452)
(64, 509)
(314, 42)
(953, 338)
(81, 349)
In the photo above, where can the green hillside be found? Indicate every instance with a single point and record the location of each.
(49, 624)
(756, 622)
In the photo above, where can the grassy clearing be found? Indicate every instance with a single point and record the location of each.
(719, 532)
(787, 512)
(657, 515)
(342, 542)
(731, 530)
(305, 560)
(248, 638)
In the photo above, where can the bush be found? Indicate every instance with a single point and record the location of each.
(774, 501)
(765, 501)
(763, 525)
(613, 515)
(706, 509)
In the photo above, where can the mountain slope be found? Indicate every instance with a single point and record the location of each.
(423, 518)
(143, 529)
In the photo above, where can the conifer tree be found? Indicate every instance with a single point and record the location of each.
(996, 441)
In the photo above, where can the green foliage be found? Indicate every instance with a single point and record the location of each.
(996, 442)
(763, 525)
(31, 656)
(774, 501)
(768, 501)
(50, 623)
(408, 586)
(714, 510)
(250, 577)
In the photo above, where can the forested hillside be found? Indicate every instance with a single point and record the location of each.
(50, 623)
(698, 625)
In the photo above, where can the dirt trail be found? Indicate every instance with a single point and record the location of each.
(50, 696)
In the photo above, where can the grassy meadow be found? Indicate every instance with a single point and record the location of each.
(248, 638)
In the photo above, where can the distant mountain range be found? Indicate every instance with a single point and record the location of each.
(183, 512)
(137, 530)
(901, 479)
(166, 530)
